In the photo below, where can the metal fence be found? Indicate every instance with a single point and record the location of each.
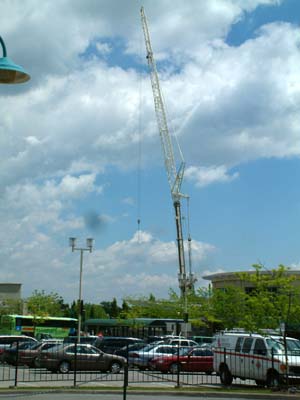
(169, 370)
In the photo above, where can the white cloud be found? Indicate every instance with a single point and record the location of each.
(123, 269)
(203, 176)
(142, 264)
(80, 115)
(103, 48)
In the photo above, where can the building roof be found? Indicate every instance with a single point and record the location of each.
(131, 322)
(235, 274)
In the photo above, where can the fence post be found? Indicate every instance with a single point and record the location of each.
(75, 366)
(178, 368)
(125, 383)
(17, 362)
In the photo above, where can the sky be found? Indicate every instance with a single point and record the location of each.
(80, 153)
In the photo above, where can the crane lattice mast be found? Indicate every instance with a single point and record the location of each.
(175, 177)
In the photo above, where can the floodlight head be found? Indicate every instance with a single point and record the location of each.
(9, 71)
(72, 242)
(89, 244)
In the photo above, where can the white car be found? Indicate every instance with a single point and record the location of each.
(182, 342)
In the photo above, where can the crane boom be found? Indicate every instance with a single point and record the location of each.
(175, 177)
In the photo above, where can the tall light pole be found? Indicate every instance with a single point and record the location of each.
(9, 71)
(89, 247)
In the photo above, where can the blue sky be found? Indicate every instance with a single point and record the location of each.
(81, 155)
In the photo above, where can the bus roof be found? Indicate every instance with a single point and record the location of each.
(40, 317)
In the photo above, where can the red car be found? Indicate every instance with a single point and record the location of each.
(192, 360)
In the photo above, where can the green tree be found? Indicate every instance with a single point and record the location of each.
(111, 308)
(11, 306)
(94, 311)
(150, 307)
(228, 306)
(273, 300)
(42, 304)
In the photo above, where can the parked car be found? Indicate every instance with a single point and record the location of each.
(202, 340)
(124, 351)
(192, 360)
(61, 358)
(7, 340)
(292, 344)
(83, 339)
(11, 353)
(254, 356)
(182, 342)
(110, 344)
(142, 357)
(30, 355)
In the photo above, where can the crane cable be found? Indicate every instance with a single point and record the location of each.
(139, 161)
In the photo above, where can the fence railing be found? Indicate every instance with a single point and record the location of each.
(180, 367)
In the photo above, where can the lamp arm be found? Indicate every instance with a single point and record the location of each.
(3, 47)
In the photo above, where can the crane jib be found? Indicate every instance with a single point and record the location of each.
(175, 177)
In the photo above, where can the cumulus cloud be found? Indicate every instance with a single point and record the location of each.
(80, 117)
(135, 266)
(203, 176)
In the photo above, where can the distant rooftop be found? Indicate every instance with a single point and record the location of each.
(234, 274)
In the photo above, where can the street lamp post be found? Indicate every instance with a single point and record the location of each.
(9, 71)
(89, 247)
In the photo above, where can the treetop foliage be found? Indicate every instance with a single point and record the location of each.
(261, 299)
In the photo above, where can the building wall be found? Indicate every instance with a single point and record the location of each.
(225, 279)
(10, 291)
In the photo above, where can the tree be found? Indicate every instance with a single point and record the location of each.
(150, 307)
(273, 300)
(43, 305)
(111, 308)
(11, 306)
(94, 311)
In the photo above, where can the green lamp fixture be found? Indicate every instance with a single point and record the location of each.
(9, 71)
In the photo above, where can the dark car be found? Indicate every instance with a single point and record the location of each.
(191, 360)
(11, 353)
(29, 355)
(110, 344)
(6, 341)
(88, 358)
(83, 339)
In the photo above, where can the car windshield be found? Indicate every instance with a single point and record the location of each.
(57, 347)
(148, 348)
(36, 346)
(275, 346)
(293, 345)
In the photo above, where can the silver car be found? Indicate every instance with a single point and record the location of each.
(142, 357)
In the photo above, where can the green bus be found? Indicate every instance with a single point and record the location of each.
(38, 327)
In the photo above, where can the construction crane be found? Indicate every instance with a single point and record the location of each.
(175, 176)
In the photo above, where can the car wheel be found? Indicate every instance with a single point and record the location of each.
(225, 376)
(208, 372)
(36, 363)
(115, 367)
(64, 367)
(273, 379)
(175, 368)
(260, 383)
(142, 368)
